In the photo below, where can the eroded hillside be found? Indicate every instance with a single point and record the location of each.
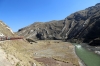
(14, 52)
(19, 52)
(83, 26)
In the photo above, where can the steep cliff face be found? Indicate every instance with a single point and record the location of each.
(88, 26)
(5, 30)
(82, 25)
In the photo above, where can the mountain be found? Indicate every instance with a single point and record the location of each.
(88, 27)
(14, 52)
(40, 30)
(20, 52)
(81, 26)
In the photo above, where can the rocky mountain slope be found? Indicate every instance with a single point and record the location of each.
(40, 30)
(14, 52)
(81, 26)
(19, 52)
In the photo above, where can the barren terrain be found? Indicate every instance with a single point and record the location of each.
(39, 53)
(54, 53)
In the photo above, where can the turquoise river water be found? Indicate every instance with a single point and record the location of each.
(88, 57)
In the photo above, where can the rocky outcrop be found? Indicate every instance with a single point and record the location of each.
(83, 26)
(84, 22)
(95, 42)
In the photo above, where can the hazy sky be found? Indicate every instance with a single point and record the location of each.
(20, 13)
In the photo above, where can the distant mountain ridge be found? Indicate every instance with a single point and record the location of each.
(81, 26)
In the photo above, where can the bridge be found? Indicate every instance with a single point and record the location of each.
(2, 38)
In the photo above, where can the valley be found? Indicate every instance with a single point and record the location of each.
(73, 41)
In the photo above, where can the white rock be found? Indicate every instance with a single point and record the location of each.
(1, 34)
(10, 30)
(1, 23)
(34, 64)
(98, 52)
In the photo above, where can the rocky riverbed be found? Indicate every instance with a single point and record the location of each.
(95, 49)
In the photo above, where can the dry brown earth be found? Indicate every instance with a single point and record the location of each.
(54, 53)
(39, 53)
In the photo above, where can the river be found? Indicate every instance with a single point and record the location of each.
(88, 57)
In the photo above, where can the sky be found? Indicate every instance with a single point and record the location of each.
(21, 13)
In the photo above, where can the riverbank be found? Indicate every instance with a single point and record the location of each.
(88, 57)
(95, 49)
(55, 53)
(81, 63)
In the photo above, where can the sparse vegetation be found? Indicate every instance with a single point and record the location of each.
(18, 64)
